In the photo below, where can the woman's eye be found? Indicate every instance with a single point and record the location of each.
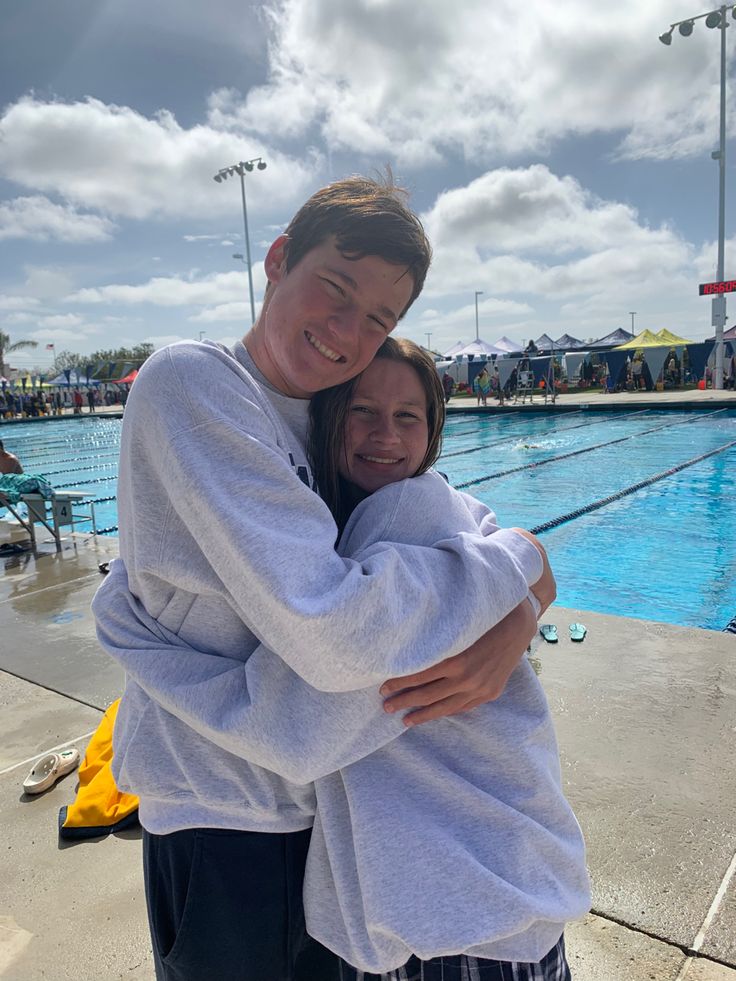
(359, 408)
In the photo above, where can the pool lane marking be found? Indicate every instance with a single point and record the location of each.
(480, 429)
(54, 749)
(551, 432)
(717, 900)
(585, 449)
(596, 505)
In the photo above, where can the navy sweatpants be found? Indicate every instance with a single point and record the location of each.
(227, 905)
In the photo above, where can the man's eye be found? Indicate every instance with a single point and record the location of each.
(335, 286)
(380, 323)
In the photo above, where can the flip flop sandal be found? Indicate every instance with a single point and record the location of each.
(549, 632)
(49, 769)
(578, 632)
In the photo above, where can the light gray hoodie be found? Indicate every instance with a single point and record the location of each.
(224, 548)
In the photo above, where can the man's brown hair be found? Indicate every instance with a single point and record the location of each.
(329, 410)
(367, 217)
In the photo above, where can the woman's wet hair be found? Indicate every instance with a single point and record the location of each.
(329, 411)
(367, 218)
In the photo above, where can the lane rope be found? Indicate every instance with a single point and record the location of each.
(604, 501)
(585, 449)
(515, 439)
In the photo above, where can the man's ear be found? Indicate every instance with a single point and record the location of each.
(275, 261)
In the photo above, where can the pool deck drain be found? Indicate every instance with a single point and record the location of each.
(646, 721)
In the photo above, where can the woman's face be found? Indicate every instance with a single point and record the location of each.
(387, 432)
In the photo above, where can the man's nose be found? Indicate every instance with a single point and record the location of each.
(344, 322)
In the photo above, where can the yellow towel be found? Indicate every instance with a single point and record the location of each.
(100, 807)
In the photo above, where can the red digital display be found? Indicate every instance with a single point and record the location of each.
(710, 289)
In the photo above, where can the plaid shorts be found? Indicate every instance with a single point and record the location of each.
(462, 967)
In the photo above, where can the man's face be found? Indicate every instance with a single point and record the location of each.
(324, 320)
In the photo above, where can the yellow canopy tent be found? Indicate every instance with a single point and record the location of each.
(669, 338)
(645, 339)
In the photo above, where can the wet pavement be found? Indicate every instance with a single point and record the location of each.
(646, 720)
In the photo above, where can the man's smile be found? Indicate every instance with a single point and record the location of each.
(326, 351)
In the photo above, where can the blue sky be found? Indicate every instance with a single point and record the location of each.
(558, 154)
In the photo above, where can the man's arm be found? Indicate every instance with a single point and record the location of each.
(234, 501)
(260, 710)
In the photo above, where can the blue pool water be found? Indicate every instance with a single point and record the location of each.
(665, 552)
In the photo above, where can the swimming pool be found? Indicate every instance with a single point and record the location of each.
(663, 551)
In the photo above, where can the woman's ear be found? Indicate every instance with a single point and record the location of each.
(275, 261)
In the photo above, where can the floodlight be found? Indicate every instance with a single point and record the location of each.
(218, 178)
(713, 19)
(666, 38)
(262, 163)
(686, 28)
(249, 166)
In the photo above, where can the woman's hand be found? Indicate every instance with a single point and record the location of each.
(477, 675)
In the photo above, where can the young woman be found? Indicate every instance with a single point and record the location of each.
(450, 852)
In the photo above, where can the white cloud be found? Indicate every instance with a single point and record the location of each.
(40, 219)
(426, 81)
(61, 320)
(174, 291)
(238, 311)
(505, 232)
(9, 303)
(116, 160)
(46, 282)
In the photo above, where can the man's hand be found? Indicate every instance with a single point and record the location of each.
(460, 683)
(545, 588)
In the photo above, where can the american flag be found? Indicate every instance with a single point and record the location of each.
(50, 347)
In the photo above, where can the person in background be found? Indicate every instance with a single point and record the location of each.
(91, 399)
(9, 463)
(448, 385)
(482, 385)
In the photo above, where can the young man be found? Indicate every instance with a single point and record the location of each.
(225, 547)
(9, 462)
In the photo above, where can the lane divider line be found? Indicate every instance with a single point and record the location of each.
(596, 505)
(585, 449)
(551, 432)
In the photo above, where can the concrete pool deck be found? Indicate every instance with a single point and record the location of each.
(646, 719)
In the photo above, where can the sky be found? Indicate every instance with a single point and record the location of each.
(558, 154)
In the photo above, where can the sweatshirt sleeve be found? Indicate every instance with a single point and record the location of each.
(240, 512)
(261, 710)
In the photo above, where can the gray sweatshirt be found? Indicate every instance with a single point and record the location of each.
(455, 837)
(227, 555)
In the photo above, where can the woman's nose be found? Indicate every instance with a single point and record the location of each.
(385, 431)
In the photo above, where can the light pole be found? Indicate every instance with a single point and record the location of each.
(477, 294)
(715, 18)
(632, 314)
(240, 169)
(201, 334)
(428, 335)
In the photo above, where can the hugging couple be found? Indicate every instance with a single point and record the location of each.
(346, 766)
